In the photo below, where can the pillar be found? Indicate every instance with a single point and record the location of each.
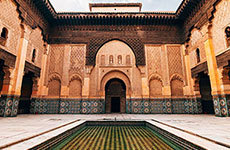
(219, 100)
(42, 89)
(188, 90)
(166, 91)
(13, 77)
(65, 75)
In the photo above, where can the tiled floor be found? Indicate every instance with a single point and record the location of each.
(25, 126)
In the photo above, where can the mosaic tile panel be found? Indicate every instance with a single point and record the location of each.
(156, 106)
(9, 106)
(162, 106)
(93, 106)
(228, 104)
(45, 106)
(220, 106)
(2, 106)
(128, 106)
(185, 106)
(70, 106)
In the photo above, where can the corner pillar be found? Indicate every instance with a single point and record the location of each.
(219, 100)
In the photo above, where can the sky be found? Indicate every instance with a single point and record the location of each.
(83, 5)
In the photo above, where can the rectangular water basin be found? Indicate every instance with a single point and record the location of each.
(117, 135)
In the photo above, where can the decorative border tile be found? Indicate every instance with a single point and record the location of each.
(9, 106)
(221, 105)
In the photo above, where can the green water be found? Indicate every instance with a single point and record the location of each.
(116, 137)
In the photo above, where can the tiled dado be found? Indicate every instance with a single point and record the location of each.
(67, 106)
(163, 106)
(9, 105)
(222, 105)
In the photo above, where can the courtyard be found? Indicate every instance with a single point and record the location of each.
(27, 131)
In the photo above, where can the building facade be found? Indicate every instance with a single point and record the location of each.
(115, 59)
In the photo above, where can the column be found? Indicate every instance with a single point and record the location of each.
(86, 82)
(144, 82)
(188, 90)
(166, 91)
(220, 103)
(42, 89)
(65, 75)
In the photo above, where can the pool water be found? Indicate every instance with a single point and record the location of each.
(116, 137)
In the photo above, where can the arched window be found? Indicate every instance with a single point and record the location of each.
(111, 59)
(119, 59)
(227, 32)
(4, 33)
(34, 55)
(128, 60)
(4, 36)
(198, 55)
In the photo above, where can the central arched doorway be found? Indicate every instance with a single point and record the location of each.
(115, 96)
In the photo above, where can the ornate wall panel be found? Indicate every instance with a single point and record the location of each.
(220, 21)
(154, 60)
(77, 60)
(10, 19)
(174, 60)
(56, 59)
(35, 42)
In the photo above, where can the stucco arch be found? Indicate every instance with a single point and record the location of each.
(75, 77)
(156, 77)
(115, 74)
(54, 76)
(135, 45)
(177, 77)
(115, 48)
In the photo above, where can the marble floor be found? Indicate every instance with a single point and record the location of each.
(17, 132)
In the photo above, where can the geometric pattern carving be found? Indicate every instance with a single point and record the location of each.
(174, 60)
(154, 59)
(195, 37)
(96, 43)
(77, 60)
(56, 59)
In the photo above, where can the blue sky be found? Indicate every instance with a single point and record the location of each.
(83, 5)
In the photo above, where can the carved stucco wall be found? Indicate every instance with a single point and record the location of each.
(220, 21)
(197, 39)
(67, 64)
(106, 65)
(35, 42)
(9, 18)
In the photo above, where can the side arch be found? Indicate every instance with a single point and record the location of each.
(75, 86)
(177, 85)
(155, 85)
(54, 86)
